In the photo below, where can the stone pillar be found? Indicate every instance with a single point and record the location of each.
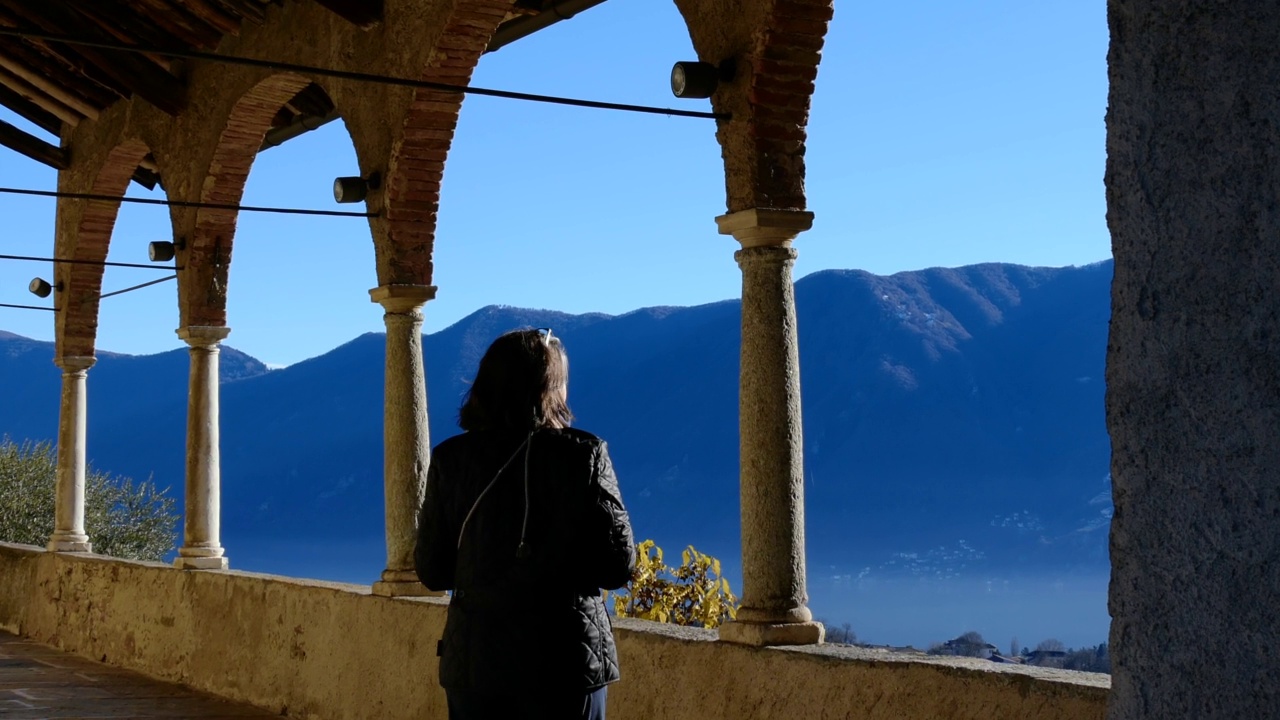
(774, 595)
(1193, 359)
(201, 545)
(406, 441)
(68, 530)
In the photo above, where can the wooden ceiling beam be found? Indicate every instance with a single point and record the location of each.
(45, 94)
(148, 179)
(33, 147)
(249, 9)
(32, 112)
(179, 22)
(126, 25)
(216, 15)
(362, 13)
(312, 100)
(58, 71)
(136, 73)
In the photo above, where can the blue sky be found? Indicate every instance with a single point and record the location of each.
(943, 133)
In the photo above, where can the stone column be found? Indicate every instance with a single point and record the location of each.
(68, 530)
(406, 441)
(1193, 359)
(774, 595)
(201, 546)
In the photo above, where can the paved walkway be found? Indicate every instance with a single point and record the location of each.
(38, 682)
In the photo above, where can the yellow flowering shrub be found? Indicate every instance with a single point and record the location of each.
(692, 594)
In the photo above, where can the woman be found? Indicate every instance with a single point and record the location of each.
(523, 521)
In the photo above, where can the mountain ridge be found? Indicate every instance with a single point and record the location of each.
(943, 408)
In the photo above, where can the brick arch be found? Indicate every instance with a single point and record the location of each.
(777, 45)
(405, 237)
(77, 322)
(202, 285)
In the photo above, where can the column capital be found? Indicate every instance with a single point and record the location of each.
(402, 298)
(758, 227)
(75, 363)
(765, 254)
(203, 335)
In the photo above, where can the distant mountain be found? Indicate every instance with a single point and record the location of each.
(953, 419)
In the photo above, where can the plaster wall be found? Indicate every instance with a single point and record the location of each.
(325, 650)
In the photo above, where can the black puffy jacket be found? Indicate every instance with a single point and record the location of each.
(531, 617)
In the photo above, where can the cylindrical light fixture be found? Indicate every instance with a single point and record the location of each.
(41, 288)
(355, 189)
(694, 79)
(161, 251)
(164, 250)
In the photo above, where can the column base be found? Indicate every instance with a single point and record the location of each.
(403, 589)
(766, 634)
(201, 563)
(70, 543)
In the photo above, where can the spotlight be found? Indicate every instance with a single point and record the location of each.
(698, 79)
(355, 189)
(40, 288)
(163, 250)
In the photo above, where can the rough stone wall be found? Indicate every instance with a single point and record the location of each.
(1193, 363)
(335, 652)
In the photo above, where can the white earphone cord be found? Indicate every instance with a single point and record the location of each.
(467, 519)
(522, 550)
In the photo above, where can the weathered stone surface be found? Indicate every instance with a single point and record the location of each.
(774, 593)
(407, 441)
(338, 652)
(1193, 365)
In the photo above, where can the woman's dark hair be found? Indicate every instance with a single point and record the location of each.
(520, 385)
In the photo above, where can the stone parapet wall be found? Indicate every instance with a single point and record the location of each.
(313, 649)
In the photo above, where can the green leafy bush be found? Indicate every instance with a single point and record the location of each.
(122, 518)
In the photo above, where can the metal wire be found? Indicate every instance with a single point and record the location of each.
(183, 203)
(357, 76)
(104, 263)
(100, 297)
(137, 287)
(28, 307)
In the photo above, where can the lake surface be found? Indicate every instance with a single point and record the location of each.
(1033, 606)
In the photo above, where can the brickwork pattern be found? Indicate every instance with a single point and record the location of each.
(776, 46)
(82, 284)
(785, 67)
(417, 166)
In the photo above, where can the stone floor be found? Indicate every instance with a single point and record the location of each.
(38, 682)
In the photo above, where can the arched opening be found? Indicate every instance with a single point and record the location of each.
(313, 271)
(601, 212)
(203, 283)
(141, 363)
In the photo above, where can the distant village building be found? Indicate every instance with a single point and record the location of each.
(968, 647)
(1045, 658)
